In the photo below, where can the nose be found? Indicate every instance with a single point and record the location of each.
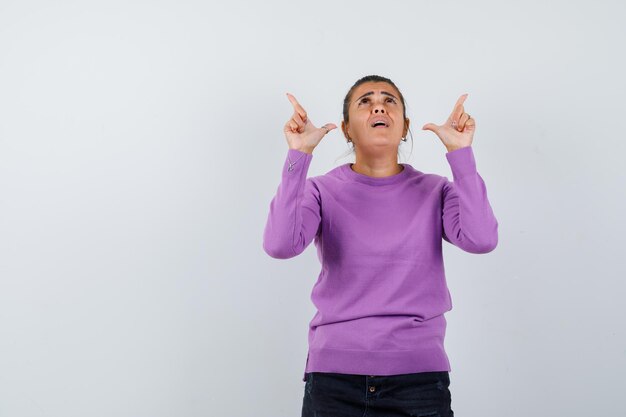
(378, 106)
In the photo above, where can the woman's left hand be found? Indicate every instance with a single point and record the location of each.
(458, 131)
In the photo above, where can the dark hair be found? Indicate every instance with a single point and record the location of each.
(373, 78)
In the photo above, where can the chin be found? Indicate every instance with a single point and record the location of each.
(384, 142)
(385, 138)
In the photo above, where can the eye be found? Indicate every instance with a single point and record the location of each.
(364, 99)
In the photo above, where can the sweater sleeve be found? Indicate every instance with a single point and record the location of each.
(295, 212)
(468, 220)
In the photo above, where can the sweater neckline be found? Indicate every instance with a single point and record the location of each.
(366, 179)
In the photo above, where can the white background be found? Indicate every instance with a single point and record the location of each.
(141, 144)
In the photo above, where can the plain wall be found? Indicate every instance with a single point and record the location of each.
(141, 144)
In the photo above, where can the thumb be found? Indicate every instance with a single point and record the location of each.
(329, 126)
(430, 126)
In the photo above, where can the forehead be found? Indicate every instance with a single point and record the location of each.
(377, 87)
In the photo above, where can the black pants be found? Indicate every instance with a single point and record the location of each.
(347, 395)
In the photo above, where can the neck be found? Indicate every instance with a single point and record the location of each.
(377, 168)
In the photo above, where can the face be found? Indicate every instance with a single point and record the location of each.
(372, 102)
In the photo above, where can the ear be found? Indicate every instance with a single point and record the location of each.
(407, 121)
(344, 128)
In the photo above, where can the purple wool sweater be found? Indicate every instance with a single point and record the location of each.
(381, 293)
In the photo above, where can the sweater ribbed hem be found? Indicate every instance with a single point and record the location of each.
(427, 355)
(376, 362)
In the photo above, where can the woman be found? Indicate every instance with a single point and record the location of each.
(376, 343)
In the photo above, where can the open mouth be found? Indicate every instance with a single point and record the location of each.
(379, 124)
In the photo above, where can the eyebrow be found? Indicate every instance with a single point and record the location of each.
(371, 92)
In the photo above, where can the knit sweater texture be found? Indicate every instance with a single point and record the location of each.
(381, 293)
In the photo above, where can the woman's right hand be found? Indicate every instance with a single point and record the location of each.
(300, 132)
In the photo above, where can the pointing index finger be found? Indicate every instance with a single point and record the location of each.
(458, 107)
(296, 106)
